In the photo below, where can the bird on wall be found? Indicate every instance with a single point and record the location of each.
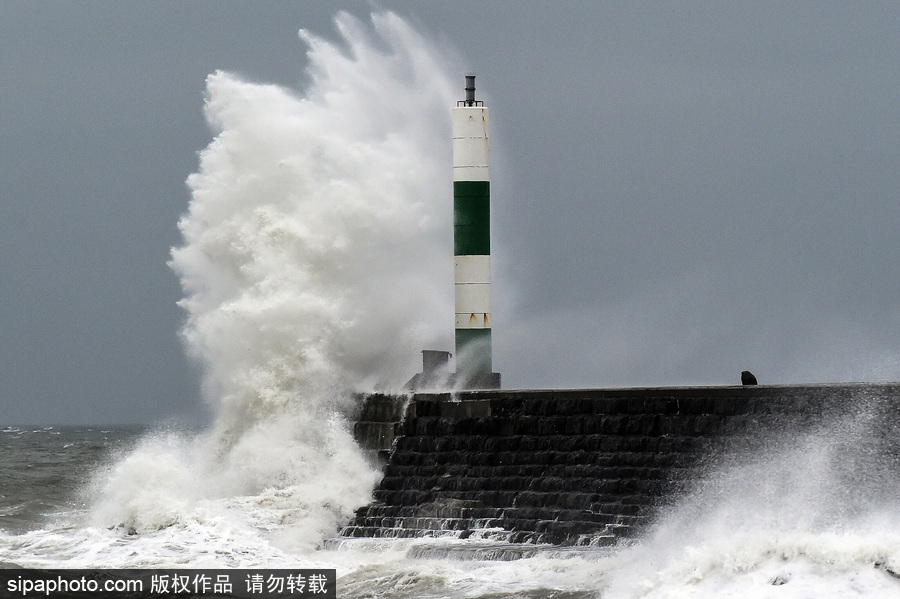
(747, 378)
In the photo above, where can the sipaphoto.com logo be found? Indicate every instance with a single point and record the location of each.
(25, 586)
(174, 583)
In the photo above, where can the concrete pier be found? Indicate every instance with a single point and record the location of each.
(571, 467)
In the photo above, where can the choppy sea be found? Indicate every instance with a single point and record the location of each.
(782, 539)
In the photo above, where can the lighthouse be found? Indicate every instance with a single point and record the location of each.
(471, 256)
(472, 242)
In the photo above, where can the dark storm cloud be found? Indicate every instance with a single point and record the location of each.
(681, 190)
(697, 188)
(102, 118)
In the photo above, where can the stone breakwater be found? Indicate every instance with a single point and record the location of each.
(570, 467)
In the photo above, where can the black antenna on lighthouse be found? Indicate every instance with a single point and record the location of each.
(470, 93)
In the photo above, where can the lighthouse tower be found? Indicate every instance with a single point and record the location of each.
(472, 242)
(472, 257)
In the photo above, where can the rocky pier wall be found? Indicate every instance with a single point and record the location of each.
(570, 467)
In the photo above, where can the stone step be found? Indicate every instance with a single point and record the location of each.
(430, 523)
(628, 404)
(676, 403)
(569, 532)
(401, 512)
(397, 516)
(379, 532)
(608, 471)
(440, 445)
(462, 462)
(556, 484)
(593, 425)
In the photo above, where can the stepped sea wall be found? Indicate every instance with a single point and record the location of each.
(583, 467)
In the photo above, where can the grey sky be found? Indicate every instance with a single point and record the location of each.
(681, 190)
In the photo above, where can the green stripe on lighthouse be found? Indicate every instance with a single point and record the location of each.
(473, 346)
(471, 218)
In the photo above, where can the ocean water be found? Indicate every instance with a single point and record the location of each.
(812, 516)
(313, 254)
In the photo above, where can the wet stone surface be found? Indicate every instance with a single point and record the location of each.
(563, 467)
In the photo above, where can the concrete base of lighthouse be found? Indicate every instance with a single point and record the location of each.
(455, 381)
(476, 380)
(436, 375)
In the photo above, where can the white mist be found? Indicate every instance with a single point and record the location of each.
(316, 262)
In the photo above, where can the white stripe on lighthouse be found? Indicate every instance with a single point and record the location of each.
(473, 292)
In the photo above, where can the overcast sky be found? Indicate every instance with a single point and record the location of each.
(680, 190)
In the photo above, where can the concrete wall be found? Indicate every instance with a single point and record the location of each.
(568, 466)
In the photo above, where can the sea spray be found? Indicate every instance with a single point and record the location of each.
(812, 511)
(314, 264)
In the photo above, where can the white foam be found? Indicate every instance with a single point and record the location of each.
(315, 243)
(808, 515)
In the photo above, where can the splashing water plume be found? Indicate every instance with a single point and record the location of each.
(314, 248)
(807, 511)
